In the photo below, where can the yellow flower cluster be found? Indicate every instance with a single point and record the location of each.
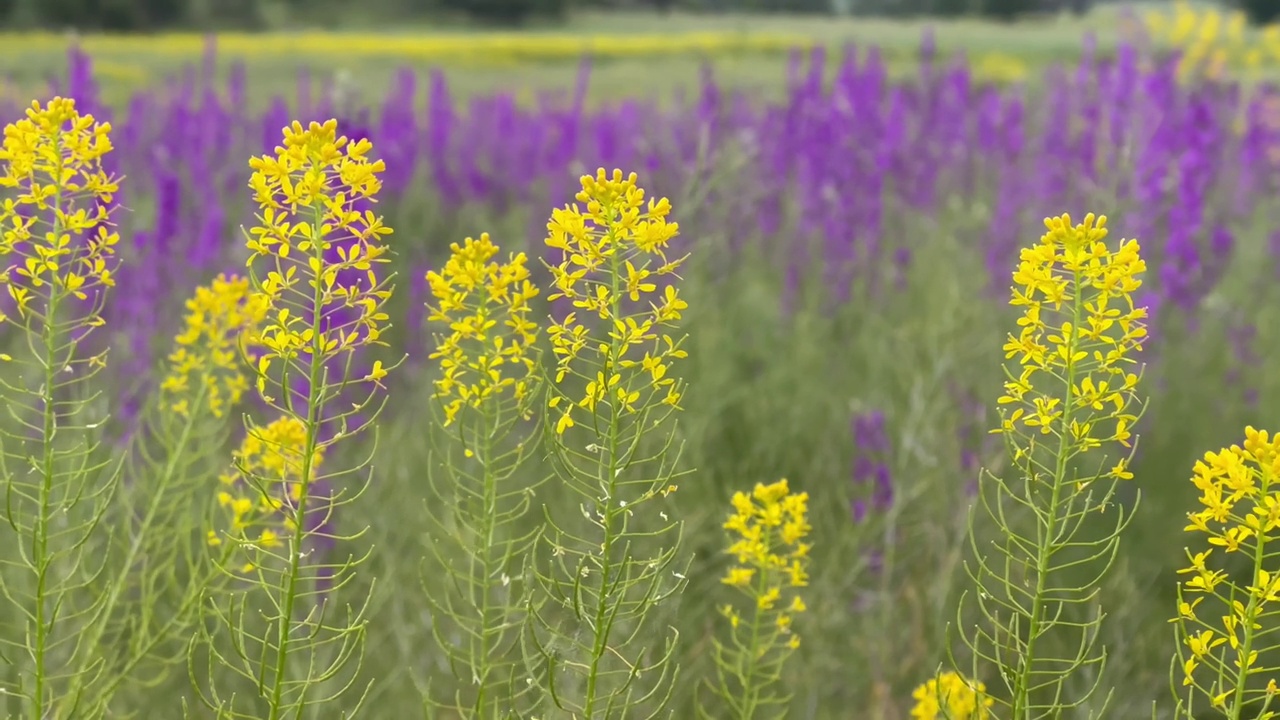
(265, 482)
(474, 293)
(1212, 41)
(768, 528)
(951, 697)
(483, 48)
(58, 224)
(221, 320)
(1079, 327)
(1240, 494)
(308, 193)
(612, 251)
(1000, 67)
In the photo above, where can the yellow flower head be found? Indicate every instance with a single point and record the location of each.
(1079, 327)
(767, 528)
(57, 229)
(221, 320)
(314, 224)
(613, 252)
(1240, 499)
(490, 346)
(951, 697)
(258, 495)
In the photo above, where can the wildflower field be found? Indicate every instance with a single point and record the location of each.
(633, 54)
(842, 402)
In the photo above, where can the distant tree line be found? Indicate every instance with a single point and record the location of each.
(150, 15)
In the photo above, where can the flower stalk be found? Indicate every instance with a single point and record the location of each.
(611, 391)
(1066, 413)
(57, 249)
(314, 257)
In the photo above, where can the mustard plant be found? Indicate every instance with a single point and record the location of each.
(162, 571)
(950, 696)
(486, 396)
(1066, 418)
(1224, 641)
(610, 394)
(58, 249)
(767, 531)
(315, 255)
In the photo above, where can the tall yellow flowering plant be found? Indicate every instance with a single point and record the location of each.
(1067, 414)
(486, 394)
(610, 392)
(767, 529)
(158, 572)
(315, 255)
(1226, 650)
(57, 249)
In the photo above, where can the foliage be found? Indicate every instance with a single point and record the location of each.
(506, 12)
(1007, 10)
(1261, 12)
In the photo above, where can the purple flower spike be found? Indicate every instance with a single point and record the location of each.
(871, 473)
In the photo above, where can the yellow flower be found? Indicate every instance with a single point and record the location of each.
(766, 530)
(1240, 497)
(489, 351)
(270, 458)
(57, 227)
(1080, 322)
(739, 577)
(951, 697)
(221, 322)
(612, 249)
(311, 231)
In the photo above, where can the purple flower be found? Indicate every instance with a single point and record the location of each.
(872, 478)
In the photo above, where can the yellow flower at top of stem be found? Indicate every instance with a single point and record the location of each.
(613, 250)
(1240, 498)
(767, 529)
(310, 193)
(59, 222)
(474, 294)
(222, 318)
(1079, 329)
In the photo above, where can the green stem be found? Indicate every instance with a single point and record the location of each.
(166, 477)
(1236, 708)
(610, 480)
(314, 402)
(490, 501)
(1045, 547)
(750, 691)
(188, 606)
(40, 543)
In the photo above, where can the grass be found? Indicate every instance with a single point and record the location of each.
(129, 63)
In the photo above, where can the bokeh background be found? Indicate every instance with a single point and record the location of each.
(853, 179)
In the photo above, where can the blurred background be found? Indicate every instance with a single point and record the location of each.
(526, 44)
